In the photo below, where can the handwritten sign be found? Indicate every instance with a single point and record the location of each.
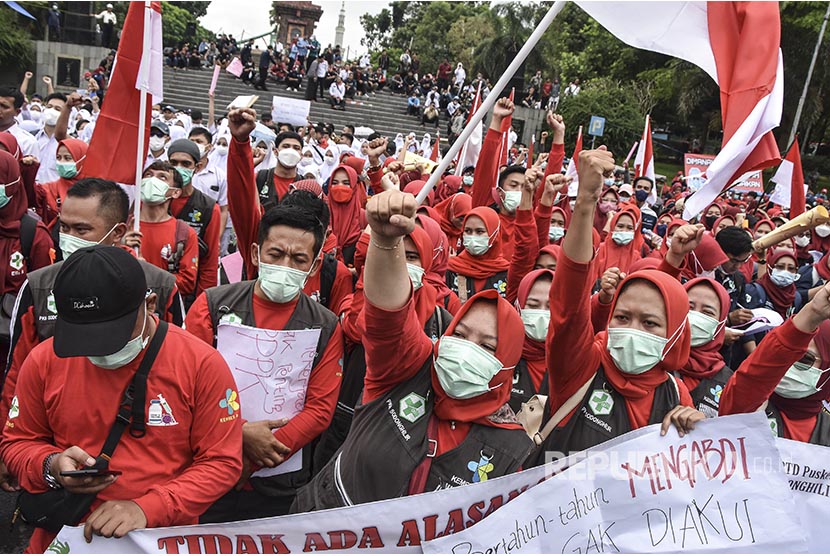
(807, 467)
(719, 489)
(390, 526)
(290, 110)
(235, 67)
(271, 369)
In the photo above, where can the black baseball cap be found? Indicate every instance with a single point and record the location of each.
(98, 294)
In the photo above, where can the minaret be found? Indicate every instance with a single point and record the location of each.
(341, 26)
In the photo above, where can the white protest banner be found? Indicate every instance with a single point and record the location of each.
(718, 489)
(271, 369)
(389, 526)
(290, 110)
(807, 467)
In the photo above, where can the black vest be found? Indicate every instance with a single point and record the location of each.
(42, 281)
(496, 282)
(268, 197)
(238, 299)
(389, 440)
(821, 432)
(523, 388)
(601, 416)
(706, 396)
(351, 388)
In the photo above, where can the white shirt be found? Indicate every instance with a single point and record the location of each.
(364, 61)
(47, 155)
(151, 158)
(279, 47)
(452, 107)
(337, 91)
(212, 182)
(25, 140)
(460, 75)
(433, 99)
(322, 68)
(107, 17)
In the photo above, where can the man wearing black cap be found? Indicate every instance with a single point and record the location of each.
(199, 211)
(183, 450)
(159, 137)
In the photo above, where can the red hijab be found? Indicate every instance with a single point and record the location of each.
(646, 263)
(509, 325)
(532, 350)
(437, 273)
(57, 189)
(347, 219)
(677, 308)
(448, 187)
(456, 206)
(14, 210)
(492, 261)
(706, 257)
(415, 187)
(566, 217)
(811, 405)
(822, 266)
(706, 361)
(601, 218)
(621, 256)
(426, 295)
(674, 223)
(28, 173)
(782, 298)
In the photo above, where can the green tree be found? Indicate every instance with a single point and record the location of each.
(376, 29)
(16, 48)
(466, 34)
(610, 99)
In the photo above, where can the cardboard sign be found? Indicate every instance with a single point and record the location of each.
(290, 111)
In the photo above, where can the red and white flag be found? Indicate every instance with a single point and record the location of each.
(506, 126)
(644, 161)
(137, 72)
(572, 166)
(436, 151)
(529, 159)
(790, 189)
(472, 147)
(738, 45)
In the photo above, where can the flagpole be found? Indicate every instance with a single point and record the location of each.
(809, 76)
(143, 81)
(488, 103)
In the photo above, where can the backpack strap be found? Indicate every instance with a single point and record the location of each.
(174, 262)
(328, 273)
(570, 404)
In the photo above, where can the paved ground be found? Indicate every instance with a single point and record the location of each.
(12, 539)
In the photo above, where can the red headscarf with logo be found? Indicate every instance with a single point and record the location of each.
(489, 263)
(706, 361)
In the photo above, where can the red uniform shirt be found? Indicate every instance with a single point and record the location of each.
(209, 264)
(159, 240)
(176, 471)
(323, 384)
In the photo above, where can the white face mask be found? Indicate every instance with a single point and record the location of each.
(221, 149)
(50, 116)
(799, 381)
(464, 369)
(202, 151)
(555, 233)
(289, 158)
(703, 328)
(476, 245)
(305, 161)
(802, 241)
(153, 191)
(329, 159)
(634, 351)
(35, 115)
(280, 284)
(536, 322)
(622, 238)
(126, 354)
(416, 275)
(154, 114)
(156, 144)
(511, 200)
(69, 244)
(823, 230)
(783, 278)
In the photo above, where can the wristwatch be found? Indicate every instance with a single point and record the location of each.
(50, 479)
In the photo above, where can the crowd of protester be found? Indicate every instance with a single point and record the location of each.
(506, 283)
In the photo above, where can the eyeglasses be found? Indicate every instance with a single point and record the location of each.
(736, 260)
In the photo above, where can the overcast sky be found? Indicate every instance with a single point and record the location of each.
(245, 18)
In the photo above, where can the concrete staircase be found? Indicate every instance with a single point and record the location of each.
(384, 112)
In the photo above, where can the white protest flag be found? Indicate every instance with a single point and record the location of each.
(644, 161)
(718, 489)
(472, 147)
(737, 44)
(789, 178)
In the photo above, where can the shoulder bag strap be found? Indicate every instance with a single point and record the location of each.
(131, 411)
(569, 405)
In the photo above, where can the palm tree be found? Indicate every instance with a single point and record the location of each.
(513, 23)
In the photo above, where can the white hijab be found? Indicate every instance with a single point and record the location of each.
(327, 168)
